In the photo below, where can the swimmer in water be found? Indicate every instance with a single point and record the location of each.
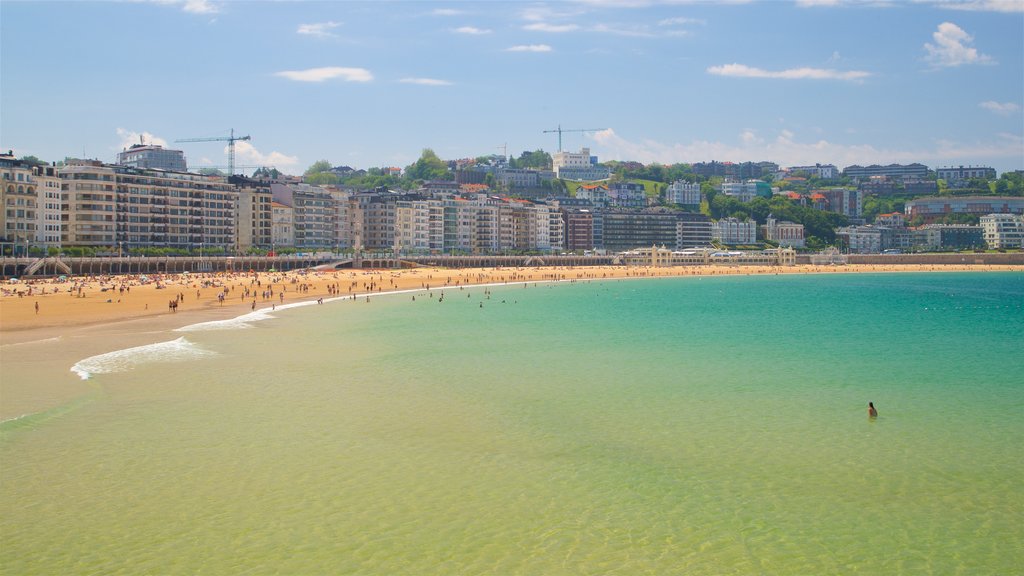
(872, 413)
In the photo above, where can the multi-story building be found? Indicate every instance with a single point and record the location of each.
(512, 178)
(742, 170)
(578, 166)
(861, 239)
(957, 175)
(21, 205)
(845, 201)
(113, 205)
(784, 233)
(629, 229)
(683, 193)
(895, 171)
(152, 156)
(313, 215)
(579, 229)
(1003, 230)
(254, 227)
(892, 219)
(596, 194)
(89, 202)
(824, 171)
(282, 225)
(693, 230)
(919, 187)
(934, 208)
(948, 237)
(747, 191)
(734, 231)
(627, 195)
(878, 185)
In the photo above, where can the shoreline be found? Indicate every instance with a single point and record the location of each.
(38, 356)
(82, 302)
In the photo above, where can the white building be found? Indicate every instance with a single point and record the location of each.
(152, 156)
(1003, 230)
(578, 166)
(823, 171)
(683, 193)
(282, 229)
(734, 231)
(785, 233)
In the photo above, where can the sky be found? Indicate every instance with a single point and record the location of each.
(373, 83)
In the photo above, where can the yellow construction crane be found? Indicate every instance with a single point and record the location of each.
(560, 130)
(231, 146)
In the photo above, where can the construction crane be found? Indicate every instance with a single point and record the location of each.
(560, 130)
(231, 146)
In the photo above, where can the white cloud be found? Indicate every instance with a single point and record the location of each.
(472, 30)
(529, 48)
(247, 154)
(744, 71)
(322, 29)
(1002, 108)
(446, 12)
(200, 7)
(952, 48)
(425, 81)
(681, 21)
(327, 73)
(981, 5)
(192, 6)
(546, 27)
(637, 31)
(787, 150)
(130, 138)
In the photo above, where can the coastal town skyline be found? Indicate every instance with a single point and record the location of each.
(371, 84)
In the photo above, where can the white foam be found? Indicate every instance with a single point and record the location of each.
(178, 350)
(43, 341)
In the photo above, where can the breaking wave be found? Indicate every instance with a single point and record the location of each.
(178, 350)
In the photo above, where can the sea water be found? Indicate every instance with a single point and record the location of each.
(711, 425)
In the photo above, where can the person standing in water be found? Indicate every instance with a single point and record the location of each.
(872, 413)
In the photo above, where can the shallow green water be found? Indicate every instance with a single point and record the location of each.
(674, 426)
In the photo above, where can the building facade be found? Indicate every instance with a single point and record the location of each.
(957, 175)
(683, 193)
(1003, 230)
(734, 231)
(152, 156)
(935, 208)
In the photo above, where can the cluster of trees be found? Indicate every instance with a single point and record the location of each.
(819, 226)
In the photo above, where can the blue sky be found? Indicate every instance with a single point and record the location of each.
(372, 83)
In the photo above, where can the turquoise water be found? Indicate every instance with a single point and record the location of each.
(670, 426)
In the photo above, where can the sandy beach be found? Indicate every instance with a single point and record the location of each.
(31, 309)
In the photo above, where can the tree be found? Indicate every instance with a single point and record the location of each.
(211, 172)
(318, 166)
(428, 167)
(32, 160)
(322, 179)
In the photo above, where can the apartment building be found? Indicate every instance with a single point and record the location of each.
(683, 193)
(823, 171)
(895, 171)
(629, 229)
(1003, 230)
(313, 214)
(693, 230)
(958, 175)
(254, 225)
(747, 191)
(152, 156)
(282, 225)
(784, 233)
(734, 231)
(627, 195)
(934, 208)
